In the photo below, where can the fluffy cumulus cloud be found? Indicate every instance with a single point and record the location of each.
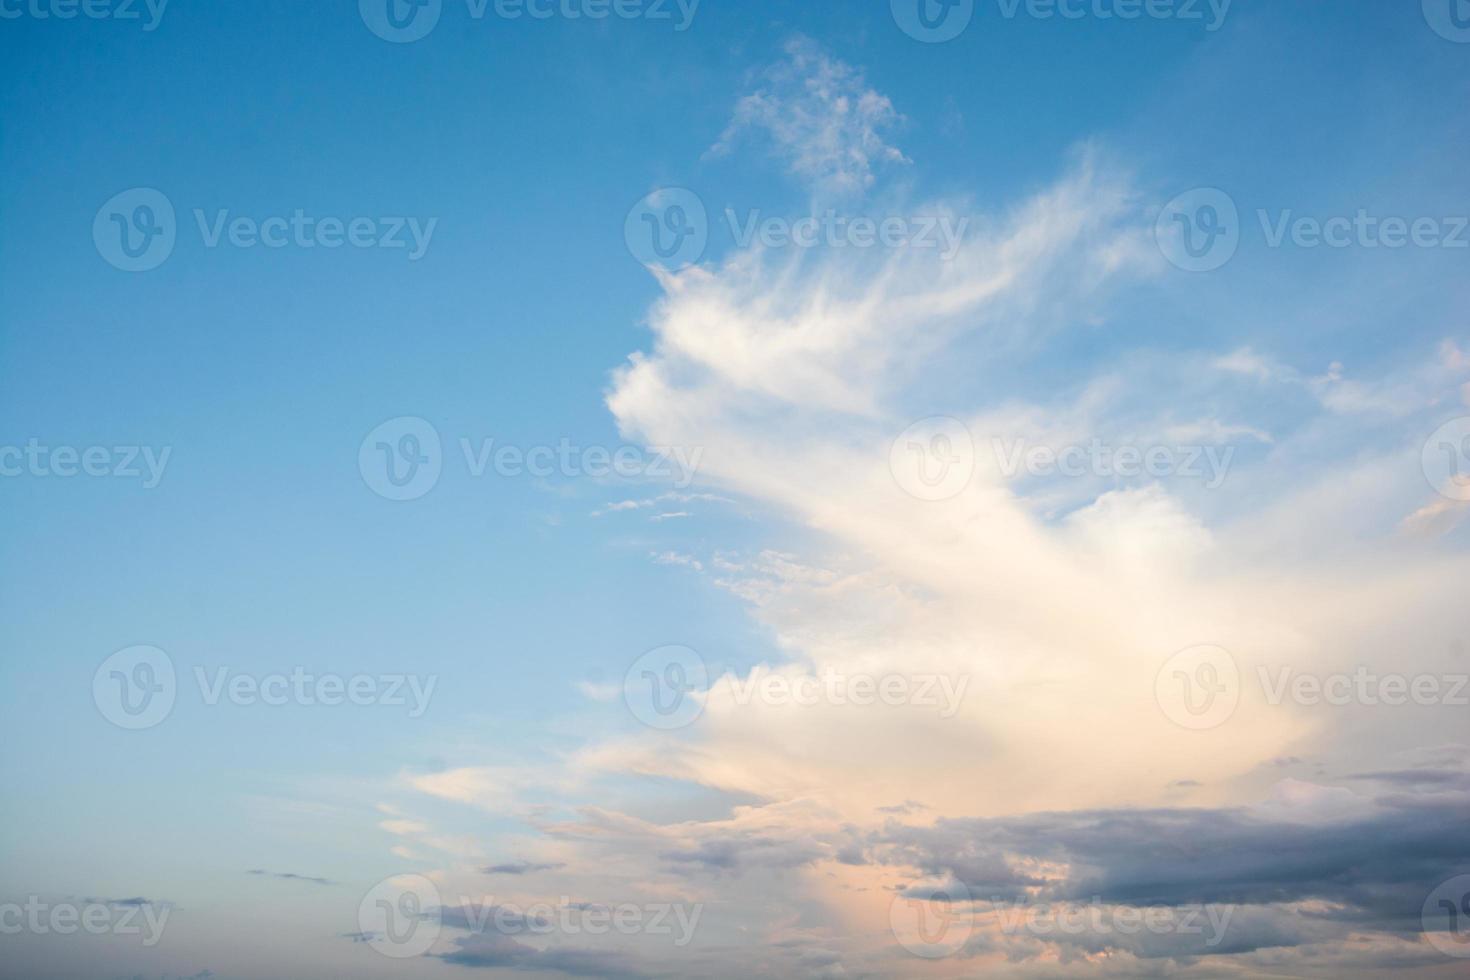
(1062, 770)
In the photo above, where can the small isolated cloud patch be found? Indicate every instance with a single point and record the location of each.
(821, 119)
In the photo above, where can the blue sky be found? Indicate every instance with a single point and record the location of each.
(517, 148)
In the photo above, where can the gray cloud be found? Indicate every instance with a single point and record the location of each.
(288, 876)
(521, 868)
(497, 952)
(1371, 869)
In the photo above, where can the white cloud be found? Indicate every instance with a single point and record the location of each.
(823, 121)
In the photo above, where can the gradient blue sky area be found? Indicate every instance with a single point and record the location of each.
(529, 140)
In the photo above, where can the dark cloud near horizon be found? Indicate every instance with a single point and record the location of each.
(497, 952)
(1373, 870)
(521, 868)
(289, 876)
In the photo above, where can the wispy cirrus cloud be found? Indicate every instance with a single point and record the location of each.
(820, 118)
